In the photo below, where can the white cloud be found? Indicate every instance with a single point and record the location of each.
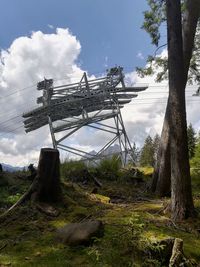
(27, 61)
(145, 114)
(50, 26)
(55, 55)
(140, 55)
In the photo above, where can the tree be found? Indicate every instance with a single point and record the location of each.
(45, 188)
(161, 182)
(135, 154)
(195, 162)
(181, 193)
(172, 136)
(156, 144)
(191, 141)
(147, 153)
(48, 176)
(153, 20)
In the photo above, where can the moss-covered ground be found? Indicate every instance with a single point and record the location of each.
(133, 219)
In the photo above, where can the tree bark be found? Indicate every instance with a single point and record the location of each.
(181, 193)
(162, 171)
(48, 177)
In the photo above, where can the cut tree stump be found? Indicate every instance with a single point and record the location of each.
(45, 188)
(48, 176)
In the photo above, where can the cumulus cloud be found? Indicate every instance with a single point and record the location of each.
(30, 59)
(140, 55)
(27, 61)
(145, 114)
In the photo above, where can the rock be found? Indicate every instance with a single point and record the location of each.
(80, 233)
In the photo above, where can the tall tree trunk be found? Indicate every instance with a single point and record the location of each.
(48, 177)
(181, 193)
(162, 171)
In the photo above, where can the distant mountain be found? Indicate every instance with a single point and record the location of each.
(10, 168)
(115, 149)
(112, 150)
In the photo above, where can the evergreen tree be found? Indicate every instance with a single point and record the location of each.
(173, 155)
(135, 154)
(195, 162)
(147, 153)
(191, 140)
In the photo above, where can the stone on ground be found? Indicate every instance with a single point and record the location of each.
(80, 233)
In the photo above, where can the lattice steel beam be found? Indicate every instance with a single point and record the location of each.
(67, 108)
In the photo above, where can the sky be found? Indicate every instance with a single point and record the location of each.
(109, 31)
(61, 39)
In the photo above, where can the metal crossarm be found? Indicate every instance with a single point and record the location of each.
(68, 108)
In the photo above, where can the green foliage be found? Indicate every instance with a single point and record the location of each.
(153, 19)
(71, 169)
(130, 229)
(191, 140)
(195, 162)
(109, 167)
(194, 74)
(135, 154)
(147, 153)
(13, 198)
(158, 65)
(77, 171)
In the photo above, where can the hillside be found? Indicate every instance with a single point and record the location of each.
(133, 222)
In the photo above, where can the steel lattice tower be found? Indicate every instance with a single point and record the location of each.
(68, 108)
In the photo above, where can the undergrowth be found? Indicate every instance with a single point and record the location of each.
(133, 220)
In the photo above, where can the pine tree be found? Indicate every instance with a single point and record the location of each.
(135, 154)
(191, 140)
(173, 156)
(147, 153)
(195, 162)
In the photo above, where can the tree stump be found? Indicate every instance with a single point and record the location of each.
(48, 176)
(177, 253)
(45, 188)
(1, 168)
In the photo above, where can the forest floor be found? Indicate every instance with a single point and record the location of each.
(133, 219)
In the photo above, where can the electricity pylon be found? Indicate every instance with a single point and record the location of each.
(68, 108)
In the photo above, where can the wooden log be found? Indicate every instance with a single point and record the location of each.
(48, 177)
(177, 253)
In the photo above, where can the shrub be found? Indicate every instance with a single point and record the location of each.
(72, 169)
(109, 167)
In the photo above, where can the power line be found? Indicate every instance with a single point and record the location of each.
(10, 119)
(17, 91)
(136, 99)
(65, 78)
(12, 131)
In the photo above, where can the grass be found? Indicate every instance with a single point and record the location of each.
(27, 237)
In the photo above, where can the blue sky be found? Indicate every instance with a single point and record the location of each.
(60, 39)
(108, 30)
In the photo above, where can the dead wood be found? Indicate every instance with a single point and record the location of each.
(45, 188)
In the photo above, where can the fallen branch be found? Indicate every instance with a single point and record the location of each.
(5, 245)
(26, 196)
